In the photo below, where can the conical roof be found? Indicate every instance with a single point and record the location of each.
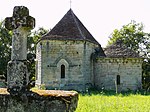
(119, 50)
(69, 28)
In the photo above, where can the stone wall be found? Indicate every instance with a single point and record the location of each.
(129, 71)
(80, 71)
(39, 101)
(74, 55)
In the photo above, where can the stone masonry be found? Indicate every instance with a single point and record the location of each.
(129, 70)
(74, 55)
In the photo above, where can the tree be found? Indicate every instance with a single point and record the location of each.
(34, 37)
(32, 40)
(5, 48)
(133, 36)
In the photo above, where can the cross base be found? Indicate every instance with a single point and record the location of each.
(17, 76)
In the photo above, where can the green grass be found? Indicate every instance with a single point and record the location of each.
(98, 102)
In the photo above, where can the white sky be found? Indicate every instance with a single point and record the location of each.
(100, 17)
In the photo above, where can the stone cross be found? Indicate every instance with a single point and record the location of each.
(20, 24)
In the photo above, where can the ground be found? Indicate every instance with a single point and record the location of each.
(111, 102)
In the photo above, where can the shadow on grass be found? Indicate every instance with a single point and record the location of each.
(94, 91)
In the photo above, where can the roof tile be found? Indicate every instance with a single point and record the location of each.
(69, 28)
(119, 50)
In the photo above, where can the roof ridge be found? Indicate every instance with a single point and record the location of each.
(74, 18)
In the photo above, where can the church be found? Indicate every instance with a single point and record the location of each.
(69, 58)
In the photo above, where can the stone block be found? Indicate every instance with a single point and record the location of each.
(39, 101)
(17, 75)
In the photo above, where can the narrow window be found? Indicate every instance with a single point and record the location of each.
(62, 71)
(47, 49)
(118, 79)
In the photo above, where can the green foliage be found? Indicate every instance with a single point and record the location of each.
(133, 36)
(33, 38)
(5, 48)
(113, 103)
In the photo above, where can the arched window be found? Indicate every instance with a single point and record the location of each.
(118, 79)
(62, 71)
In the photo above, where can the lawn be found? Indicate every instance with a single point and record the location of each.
(113, 103)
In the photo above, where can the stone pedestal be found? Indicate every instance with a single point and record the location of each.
(17, 76)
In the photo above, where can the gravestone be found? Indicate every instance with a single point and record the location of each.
(17, 73)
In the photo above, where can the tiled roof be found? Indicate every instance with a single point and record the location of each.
(119, 50)
(69, 28)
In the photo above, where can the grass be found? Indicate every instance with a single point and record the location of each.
(105, 102)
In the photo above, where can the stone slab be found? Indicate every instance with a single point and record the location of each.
(39, 101)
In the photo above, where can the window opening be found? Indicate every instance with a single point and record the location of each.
(62, 71)
(118, 79)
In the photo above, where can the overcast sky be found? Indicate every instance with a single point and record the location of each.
(100, 17)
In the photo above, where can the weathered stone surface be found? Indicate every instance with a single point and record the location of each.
(129, 70)
(75, 55)
(39, 101)
(20, 24)
(82, 71)
(19, 44)
(20, 18)
(17, 76)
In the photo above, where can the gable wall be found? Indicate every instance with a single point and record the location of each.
(107, 69)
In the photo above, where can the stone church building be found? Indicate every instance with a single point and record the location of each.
(69, 58)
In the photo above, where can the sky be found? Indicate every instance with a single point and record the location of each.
(100, 17)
